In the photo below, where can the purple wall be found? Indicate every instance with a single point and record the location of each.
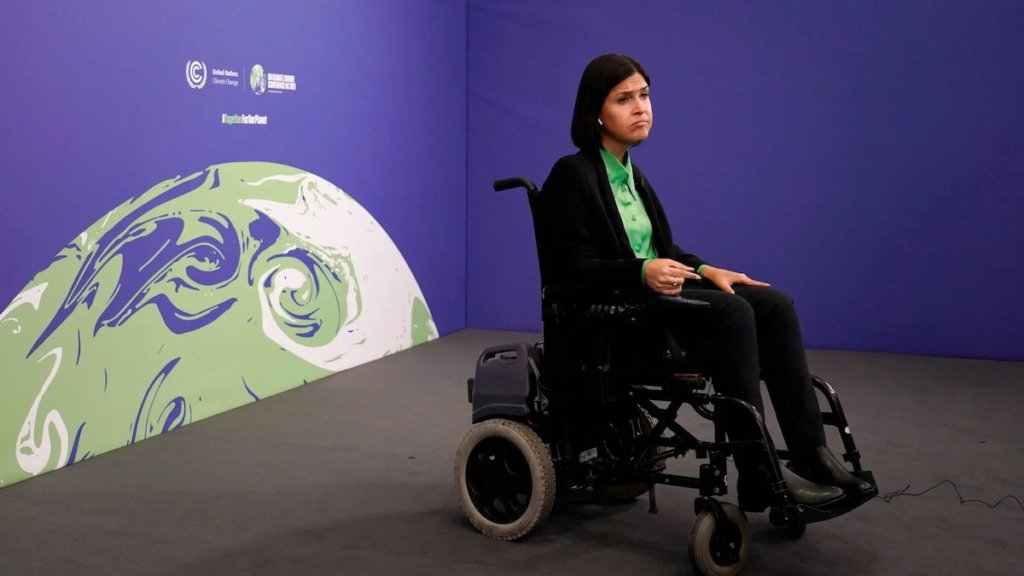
(95, 109)
(868, 158)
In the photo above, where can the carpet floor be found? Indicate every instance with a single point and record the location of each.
(353, 475)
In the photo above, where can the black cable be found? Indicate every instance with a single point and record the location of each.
(887, 498)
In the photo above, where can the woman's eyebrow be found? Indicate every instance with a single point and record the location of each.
(645, 88)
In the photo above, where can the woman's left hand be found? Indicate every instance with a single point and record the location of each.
(725, 279)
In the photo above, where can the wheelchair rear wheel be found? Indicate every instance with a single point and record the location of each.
(720, 548)
(505, 478)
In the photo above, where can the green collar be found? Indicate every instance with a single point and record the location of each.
(619, 175)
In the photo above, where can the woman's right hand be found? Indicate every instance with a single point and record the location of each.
(666, 276)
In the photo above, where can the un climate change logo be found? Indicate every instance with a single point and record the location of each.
(258, 80)
(195, 74)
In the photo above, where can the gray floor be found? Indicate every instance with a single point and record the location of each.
(353, 475)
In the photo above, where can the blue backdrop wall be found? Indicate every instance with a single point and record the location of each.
(867, 157)
(204, 204)
(97, 109)
(322, 171)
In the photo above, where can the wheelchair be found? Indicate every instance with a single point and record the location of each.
(594, 407)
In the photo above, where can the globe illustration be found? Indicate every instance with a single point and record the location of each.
(203, 293)
(258, 79)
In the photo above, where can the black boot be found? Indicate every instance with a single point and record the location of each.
(754, 493)
(823, 467)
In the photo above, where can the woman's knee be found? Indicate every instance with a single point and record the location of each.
(769, 303)
(736, 311)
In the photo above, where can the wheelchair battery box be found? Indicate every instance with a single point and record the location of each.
(505, 382)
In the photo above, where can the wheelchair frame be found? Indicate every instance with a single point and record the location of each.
(517, 396)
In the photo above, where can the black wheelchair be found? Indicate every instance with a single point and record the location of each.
(594, 406)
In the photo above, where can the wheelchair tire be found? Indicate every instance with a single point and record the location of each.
(720, 549)
(505, 478)
(629, 490)
(795, 530)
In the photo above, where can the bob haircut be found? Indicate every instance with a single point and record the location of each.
(601, 75)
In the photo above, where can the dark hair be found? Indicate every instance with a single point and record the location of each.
(601, 75)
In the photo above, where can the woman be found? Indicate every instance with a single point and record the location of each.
(609, 230)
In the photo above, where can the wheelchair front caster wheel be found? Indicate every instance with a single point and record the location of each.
(505, 478)
(795, 530)
(720, 548)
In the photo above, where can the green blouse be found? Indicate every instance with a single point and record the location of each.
(631, 208)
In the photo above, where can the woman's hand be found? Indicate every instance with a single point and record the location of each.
(666, 276)
(725, 279)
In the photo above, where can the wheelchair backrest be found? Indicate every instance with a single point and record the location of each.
(540, 222)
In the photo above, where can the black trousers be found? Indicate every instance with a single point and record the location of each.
(754, 335)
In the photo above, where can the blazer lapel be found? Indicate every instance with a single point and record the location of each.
(611, 208)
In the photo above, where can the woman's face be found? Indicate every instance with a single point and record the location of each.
(626, 115)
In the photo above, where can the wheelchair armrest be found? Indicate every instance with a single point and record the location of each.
(585, 321)
(567, 292)
(587, 295)
(681, 301)
(566, 302)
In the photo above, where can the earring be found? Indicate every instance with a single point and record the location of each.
(599, 123)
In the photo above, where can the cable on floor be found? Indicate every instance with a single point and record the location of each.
(888, 497)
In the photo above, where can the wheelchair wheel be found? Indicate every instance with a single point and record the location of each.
(505, 478)
(720, 549)
(619, 444)
(795, 530)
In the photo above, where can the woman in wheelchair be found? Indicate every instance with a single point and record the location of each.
(607, 229)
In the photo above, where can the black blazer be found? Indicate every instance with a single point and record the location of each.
(584, 241)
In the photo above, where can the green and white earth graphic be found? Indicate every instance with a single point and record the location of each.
(258, 79)
(204, 293)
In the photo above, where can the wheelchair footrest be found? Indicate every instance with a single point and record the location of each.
(784, 516)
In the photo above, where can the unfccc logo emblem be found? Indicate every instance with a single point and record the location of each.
(258, 80)
(195, 74)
